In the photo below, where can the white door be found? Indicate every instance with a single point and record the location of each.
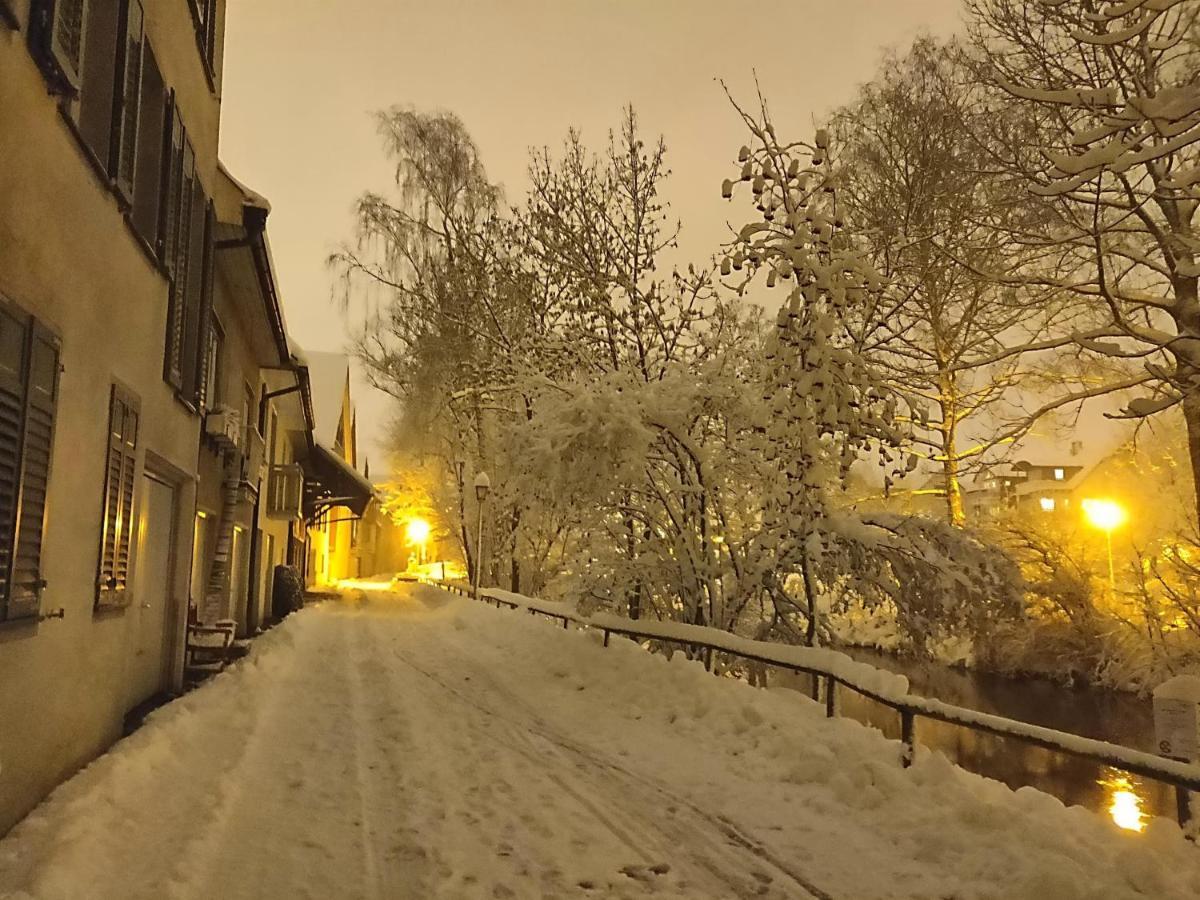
(153, 599)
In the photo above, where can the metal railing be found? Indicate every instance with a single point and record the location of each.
(1184, 777)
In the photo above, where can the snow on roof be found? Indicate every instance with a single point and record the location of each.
(327, 374)
(347, 469)
(250, 197)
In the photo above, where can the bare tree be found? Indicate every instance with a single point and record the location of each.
(1114, 88)
(918, 188)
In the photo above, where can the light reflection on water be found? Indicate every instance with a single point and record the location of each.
(1125, 803)
(1129, 801)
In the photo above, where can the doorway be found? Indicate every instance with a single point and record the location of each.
(267, 578)
(154, 598)
(238, 580)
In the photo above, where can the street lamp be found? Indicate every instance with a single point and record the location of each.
(482, 485)
(1106, 515)
(417, 533)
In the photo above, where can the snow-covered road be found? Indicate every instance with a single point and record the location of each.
(415, 745)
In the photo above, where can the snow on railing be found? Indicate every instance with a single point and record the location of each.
(884, 687)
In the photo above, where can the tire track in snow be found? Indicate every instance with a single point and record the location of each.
(710, 842)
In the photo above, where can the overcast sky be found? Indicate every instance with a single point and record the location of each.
(303, 77)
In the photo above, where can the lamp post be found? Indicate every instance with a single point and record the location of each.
(482, 485)
(1106, 515)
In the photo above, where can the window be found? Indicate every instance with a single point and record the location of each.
(29, 363)
(1059, 474)
(211, 394)
(91, 52)
(56, 37)
(112, 580)
(188, 233)
(204, 17)
(1047, 504)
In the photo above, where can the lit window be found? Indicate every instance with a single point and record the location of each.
(1059, 474)
(1047, 504)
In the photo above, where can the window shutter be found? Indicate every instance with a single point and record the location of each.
(172, 175)
(129, 88)
(112, 580)
(98, 87)
(41, 400)
(14, 343)
(58, 34)
(194, 301)
(173, 362)
(205, 337)
(151, 143)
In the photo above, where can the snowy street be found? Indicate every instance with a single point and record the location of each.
(419, 745)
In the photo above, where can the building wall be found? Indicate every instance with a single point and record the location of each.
(67, 256)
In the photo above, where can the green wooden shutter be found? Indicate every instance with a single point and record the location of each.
(128, 105)
(152, 143)
(112, 581)
(37, 446)
(14, 344)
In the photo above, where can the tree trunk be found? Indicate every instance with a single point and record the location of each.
(1191, 417)
(948, 388)
(515, 572)
(954, 498)
(633, 598)
(810, 598)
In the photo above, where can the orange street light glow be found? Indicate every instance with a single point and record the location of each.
(1104, 514)
(417, 531)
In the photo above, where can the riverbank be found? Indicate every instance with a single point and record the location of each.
(1118, 717)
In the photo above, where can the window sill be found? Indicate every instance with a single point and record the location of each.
(144, 245)
(185, 403)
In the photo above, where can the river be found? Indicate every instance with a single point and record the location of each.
(1112, 716)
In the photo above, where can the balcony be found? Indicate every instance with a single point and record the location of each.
(224, 427)
(285, 492)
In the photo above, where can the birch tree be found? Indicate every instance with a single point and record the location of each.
(1115, 88)
(920, 191)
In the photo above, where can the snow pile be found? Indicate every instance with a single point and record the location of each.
(414, 744)
(867, 678)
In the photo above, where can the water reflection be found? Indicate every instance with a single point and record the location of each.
(1120, 718)
(1125, 804)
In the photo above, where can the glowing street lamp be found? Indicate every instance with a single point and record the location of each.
(1106, 515)
(417, 533)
